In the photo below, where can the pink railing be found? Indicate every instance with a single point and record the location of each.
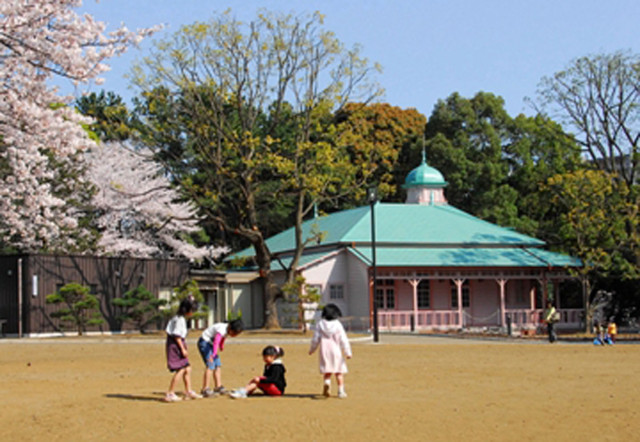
(533, 317)
(450, 319)
(426, 319)
(525, 318)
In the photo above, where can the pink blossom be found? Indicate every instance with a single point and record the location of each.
(40, 39)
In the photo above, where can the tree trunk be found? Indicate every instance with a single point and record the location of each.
(271, 292)
(586, 291)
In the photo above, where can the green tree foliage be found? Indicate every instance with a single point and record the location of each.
(235, 106)
(593, 225)
(140, 306)
(493, 163)
(189, 289)
(381, 138)
(112, 119)
(302, 297)
(79, 306)
(599, 98)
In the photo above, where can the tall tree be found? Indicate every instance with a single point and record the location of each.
(593, 224)
(237, 85)
(386, 135)
(41, 39)
(598, 97)
(494, 164)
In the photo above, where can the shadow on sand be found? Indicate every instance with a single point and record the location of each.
(159, 396)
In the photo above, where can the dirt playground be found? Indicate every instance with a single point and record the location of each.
(403, 388)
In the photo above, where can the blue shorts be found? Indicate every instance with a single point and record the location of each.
(206, 351)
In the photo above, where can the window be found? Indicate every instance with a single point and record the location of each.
(390, 296)
(385, 294)
(465, 295)
(424, 294)
(336, 291)
(380, 298)
(165, 293)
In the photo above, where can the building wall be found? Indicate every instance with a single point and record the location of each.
(340, 269)
(517, 294)
(9, 293)
(246, 298)
(358, 293)
(441, 294)
(108, 278)
(485, 302)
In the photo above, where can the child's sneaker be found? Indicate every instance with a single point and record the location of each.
(239, 394)
(220, 390)
(326, 390)
(207, 392)
(171, 397)
(342, 395)
(192, 395)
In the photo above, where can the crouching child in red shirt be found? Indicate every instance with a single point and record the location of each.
(272, 381)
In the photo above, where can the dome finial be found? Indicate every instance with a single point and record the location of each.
(424, 155)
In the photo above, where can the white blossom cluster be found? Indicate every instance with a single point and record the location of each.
(139, 212)
(40, 39)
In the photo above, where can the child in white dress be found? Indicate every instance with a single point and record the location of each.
(332, 341)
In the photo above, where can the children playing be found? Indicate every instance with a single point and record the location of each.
(210, 344)
(272, 381)
(332, 340)
(176, 349)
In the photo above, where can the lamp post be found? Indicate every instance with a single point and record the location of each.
(372, 196)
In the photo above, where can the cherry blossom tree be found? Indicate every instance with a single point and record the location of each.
(139, 213)
(39, 40)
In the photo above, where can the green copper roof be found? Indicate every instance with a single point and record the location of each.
(442, 257)
(464, 257)
(424, 175)
(403, 225)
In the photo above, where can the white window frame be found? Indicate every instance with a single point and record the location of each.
(336, 292)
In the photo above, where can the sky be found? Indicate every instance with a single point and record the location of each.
(428, 49)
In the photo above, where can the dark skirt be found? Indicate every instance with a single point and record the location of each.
(175, 360)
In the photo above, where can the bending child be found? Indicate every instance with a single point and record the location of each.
(176, 349)
(332, 340)
(210, 344)
(272, 381)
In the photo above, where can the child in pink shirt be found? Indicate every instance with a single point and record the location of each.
(210, 344)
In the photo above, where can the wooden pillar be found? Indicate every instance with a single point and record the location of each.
(458, 283)
(532, 298)
(502, 283)
(414, 285)
(372, 299)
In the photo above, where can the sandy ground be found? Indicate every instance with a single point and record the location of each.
(403, 388)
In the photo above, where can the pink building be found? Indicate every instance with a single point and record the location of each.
(437, 267)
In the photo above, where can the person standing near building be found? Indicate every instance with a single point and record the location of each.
(612, 331)
(333, 344)
(550, 318)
